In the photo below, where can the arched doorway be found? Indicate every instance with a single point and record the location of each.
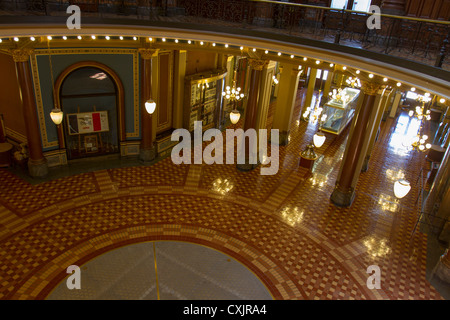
(91, 97)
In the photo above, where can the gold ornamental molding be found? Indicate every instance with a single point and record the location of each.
(370, 88)
(21, 55)
(71, 51)
(258, 64)
(147, 54)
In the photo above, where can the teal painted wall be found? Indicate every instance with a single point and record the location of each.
(122, 64)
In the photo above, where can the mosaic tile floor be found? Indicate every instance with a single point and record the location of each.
(283, 228)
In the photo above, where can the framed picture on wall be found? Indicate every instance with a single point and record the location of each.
(91, 144)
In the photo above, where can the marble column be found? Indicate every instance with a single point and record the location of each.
(284, 109)
(310, 89)
(37, 164)
(251, 110)
(147, 150)
(327, 87)
(381, 104)
(180, 57)
(356, 148)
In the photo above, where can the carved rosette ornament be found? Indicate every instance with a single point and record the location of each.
(258, 64)
(21, 55)
(147, 54)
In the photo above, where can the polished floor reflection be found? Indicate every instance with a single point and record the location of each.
(282, 227)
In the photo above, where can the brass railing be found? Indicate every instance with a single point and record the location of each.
(420, 40)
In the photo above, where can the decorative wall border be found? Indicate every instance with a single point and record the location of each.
(37, 86)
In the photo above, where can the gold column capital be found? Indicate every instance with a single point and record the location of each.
(147, 53)
(370, 88)
(258, 64)
(21, 55)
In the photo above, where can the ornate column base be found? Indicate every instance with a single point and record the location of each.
(442, 270)
(283, 138)
(342, 198)
(365, 165)
(37, 168)
(246, 166)
(147, 155)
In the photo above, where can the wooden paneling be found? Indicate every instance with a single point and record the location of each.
(165, 60)
(429, 9)
(10, 101)
(200, 61)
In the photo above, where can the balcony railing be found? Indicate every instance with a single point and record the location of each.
(419, 40)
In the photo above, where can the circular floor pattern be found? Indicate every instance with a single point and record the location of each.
(185, 271)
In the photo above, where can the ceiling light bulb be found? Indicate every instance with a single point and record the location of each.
(371, 75)
(32, 38)
(242, 48)
(214, 44)
(64, 38)
(79, 37)
(344, 68)
(385, 79)
(398, 84)
(107, 38)
(49, 37)
(201, 43)
(121, 38)
(413, 89)
(189, 41)
(226, 45)
(254, 49)
(442, 100)
(331, 65)
(16, 39)
(292, 56)
(150, 39)
(176, 40)
(163, 39)
(305, 58)
(279, 53)
(317, 62)
(134, 38)
(93, 37)
(266, 52)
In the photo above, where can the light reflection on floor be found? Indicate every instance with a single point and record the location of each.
(405, 130)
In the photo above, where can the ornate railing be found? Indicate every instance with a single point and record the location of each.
(421, 40)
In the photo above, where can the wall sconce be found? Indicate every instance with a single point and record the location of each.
(235, 115)
(57, 116)
(401, 188)
(319, 139)
(150, 106)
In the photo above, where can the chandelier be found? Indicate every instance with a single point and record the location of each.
(420, 143)
(421, 112)
(233, 93)
(339, 95)
(353, 82)
(314, 114)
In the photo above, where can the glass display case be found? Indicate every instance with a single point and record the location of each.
(339, 110)
(203, 95)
